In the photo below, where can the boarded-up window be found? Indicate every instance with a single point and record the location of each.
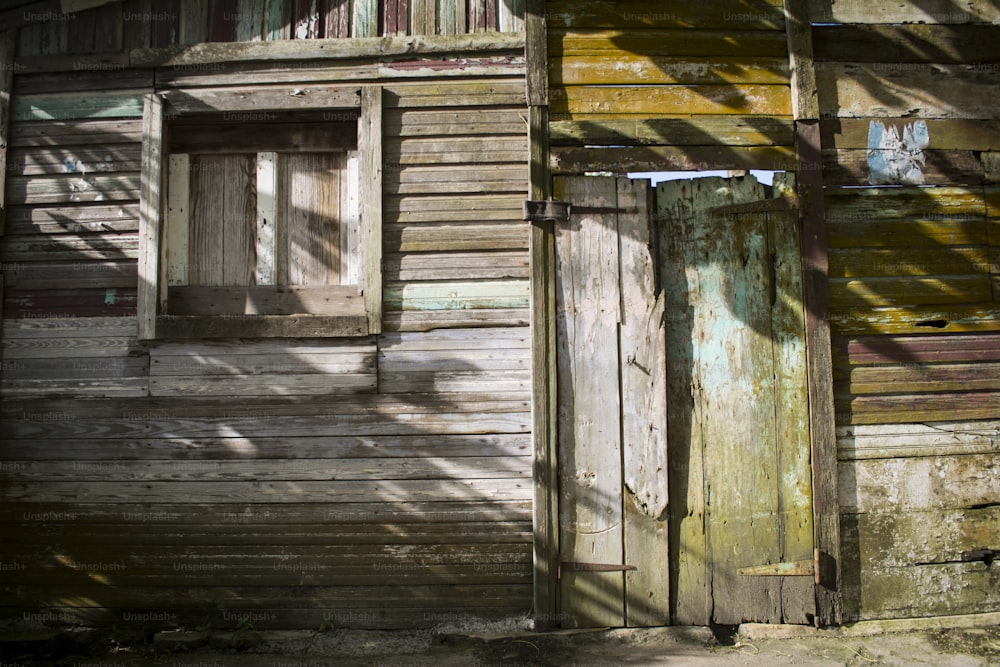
(261, 223)
(266, 219)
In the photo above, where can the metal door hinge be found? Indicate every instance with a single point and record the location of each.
(593, 567)
(547, 210)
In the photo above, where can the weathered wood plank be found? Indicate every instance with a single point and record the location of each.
(250, 101)
(119, 218)
(73, 106)
(283, 383)
(913, 91)
(882, 441)
(909, 261)
(849, 293)
(934, 43)
(454, 237)
(363, 27)
(741, 99)
(918, 408)
(715, 14)
(308, 204)
(854, 167)
(933, 483)
(371, 203)
(75, 133)
(154, 175)
(701, 131)
(421, 267)
(83, 159)
(798, 604)
(588, 296)
(514, 487)
(265, 300)
(8, 43)
(281, 449)
(72, 187)
(668, 42)
(875, 350)
(67, 275)
(262, 326)
(689, 574)
(643, 373)
(655, 158)
(908, 320)
(80, 247)
(591, 70)
(177, 224)
(933, 11)
(951, 134)
(913, 378)
(487, 294)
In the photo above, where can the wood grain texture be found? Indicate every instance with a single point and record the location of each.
(588, 295)
(151, 198)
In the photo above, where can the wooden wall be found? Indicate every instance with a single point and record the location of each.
(914, 301)
(138, 24)
(668, 86)
(377, 482)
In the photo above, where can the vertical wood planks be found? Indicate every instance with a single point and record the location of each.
(351, 245)
(365, 19)
(8, 42)
(150, 207)
(178, 218)
(543, 331)
(277, 22)
(208, 220)
(588, 296)
(692, 603)
(194, 22)
(644, 411)
(798, 602)
(311, 209)
(267, 219)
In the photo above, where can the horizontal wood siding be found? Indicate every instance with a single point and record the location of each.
(698, 87)
(380, 481)
(914, 309)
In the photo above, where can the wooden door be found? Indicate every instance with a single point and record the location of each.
(612, 408)
(739, 443)
(681, 307)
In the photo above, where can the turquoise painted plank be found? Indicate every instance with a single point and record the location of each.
(457, 296)
(119, 104)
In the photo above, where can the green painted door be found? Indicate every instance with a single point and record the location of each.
(740, 482)
(683, 442)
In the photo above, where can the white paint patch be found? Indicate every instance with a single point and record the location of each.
(895, 160)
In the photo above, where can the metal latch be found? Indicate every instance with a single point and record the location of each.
(547, 210)
(593, 567)
(798, 568)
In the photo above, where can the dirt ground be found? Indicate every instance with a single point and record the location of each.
(750, 645)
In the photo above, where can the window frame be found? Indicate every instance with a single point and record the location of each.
(153, 318)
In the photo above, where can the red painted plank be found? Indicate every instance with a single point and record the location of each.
(917, 349)
(166, 22)
(221, 20)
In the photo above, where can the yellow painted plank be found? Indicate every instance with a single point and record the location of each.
(682, 42)
(984, 316)
(629, 68)
(846, 293)
(695, 100)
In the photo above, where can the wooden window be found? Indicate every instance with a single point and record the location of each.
(261, 223)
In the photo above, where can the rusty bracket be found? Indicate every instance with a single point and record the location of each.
(593, 567)
(798, 568)
(546, 210)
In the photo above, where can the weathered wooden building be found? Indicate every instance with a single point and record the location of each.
(282, 344)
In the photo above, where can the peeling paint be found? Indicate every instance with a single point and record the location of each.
(895, 160)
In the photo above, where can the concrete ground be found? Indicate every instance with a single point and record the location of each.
(968, 641)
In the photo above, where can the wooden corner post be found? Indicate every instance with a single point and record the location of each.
(543, 334)
(815, 265)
